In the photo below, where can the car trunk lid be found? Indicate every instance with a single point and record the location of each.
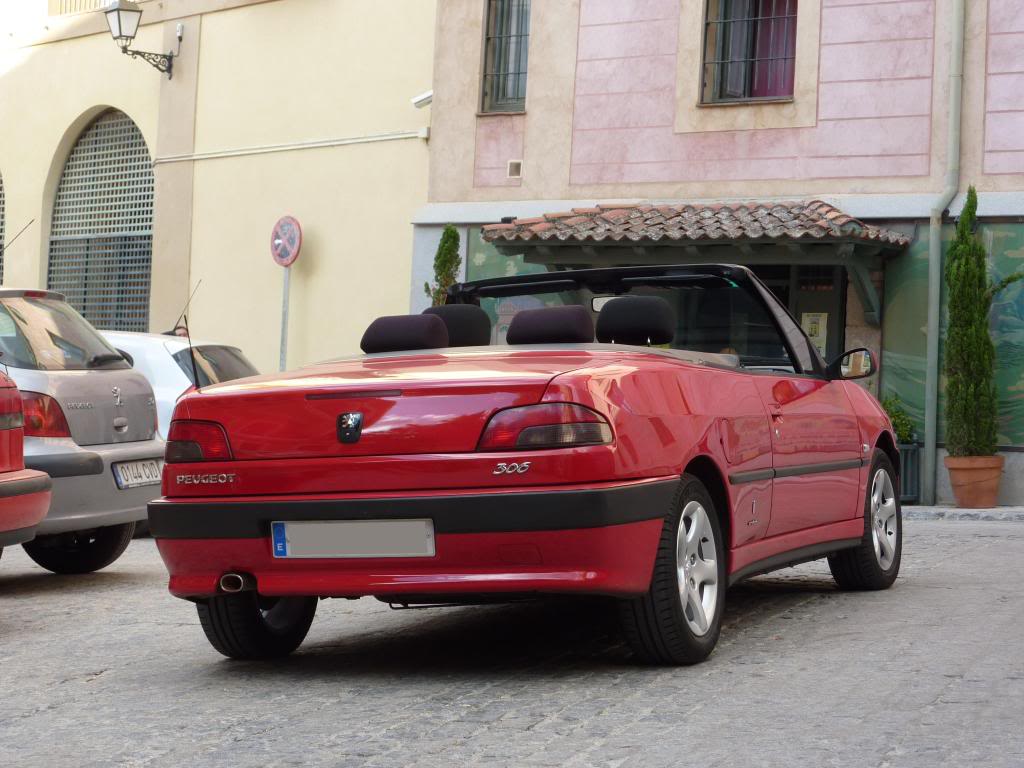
(101, 407)
(407, 403)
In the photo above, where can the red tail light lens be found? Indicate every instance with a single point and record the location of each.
(11, 414)
(196, 441)
(43, 416)
(548, 425)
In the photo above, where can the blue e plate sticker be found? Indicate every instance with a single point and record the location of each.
(280, 539)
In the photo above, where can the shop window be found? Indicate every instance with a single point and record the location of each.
(749, 50)
(506, 46)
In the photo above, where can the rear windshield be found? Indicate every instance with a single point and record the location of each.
(215, 364)
(47, 334)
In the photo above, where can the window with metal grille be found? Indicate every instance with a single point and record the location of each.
(749, 50)
(2, 241)
(506, 45)
(101, 240)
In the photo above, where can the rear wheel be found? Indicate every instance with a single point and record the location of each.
(80, 551)
(875, 563)
(679, 619)
(248, 626)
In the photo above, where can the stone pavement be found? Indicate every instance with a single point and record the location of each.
(109, 670)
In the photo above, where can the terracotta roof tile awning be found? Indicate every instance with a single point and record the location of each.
(813, 220)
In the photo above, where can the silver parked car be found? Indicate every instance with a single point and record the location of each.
(90, 422)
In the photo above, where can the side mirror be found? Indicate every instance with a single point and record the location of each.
(128, 358)
(855, 364)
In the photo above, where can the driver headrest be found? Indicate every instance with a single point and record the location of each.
(638, 320)
(396, 333)
(468, 325)
(571, 324)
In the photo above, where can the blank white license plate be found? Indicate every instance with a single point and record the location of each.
(132, 474)
(353, 538)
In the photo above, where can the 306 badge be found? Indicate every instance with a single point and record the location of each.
(511, 468)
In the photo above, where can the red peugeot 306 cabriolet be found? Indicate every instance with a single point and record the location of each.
(700, 440)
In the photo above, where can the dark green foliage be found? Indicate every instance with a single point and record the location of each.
(971, 406)
(902, 424)
(446, 266)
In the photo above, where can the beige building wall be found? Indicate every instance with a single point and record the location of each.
(276, 107)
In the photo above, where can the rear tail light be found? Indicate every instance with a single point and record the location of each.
(11, 414)
(196, 441)
(548, 425)
(43, 416)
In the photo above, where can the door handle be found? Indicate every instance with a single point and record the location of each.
(776, 410)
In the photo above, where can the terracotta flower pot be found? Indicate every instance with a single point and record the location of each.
(975, 480)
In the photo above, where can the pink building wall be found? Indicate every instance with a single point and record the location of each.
(1004, 88)
(874, 100)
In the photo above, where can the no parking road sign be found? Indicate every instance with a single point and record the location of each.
(285, 243)
(286, 240)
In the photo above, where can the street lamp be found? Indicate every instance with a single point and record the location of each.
(123, 18)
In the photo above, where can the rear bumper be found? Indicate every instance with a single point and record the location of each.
(595, 540)
(85, 494)
(24, 500)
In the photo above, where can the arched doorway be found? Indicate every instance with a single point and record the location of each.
(101, 236)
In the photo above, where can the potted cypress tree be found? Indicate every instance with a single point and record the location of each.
(971, 405)
(446, 266)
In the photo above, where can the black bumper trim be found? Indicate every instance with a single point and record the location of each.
(471, 513)
(67, 464)
(24, 486)
(17, 536)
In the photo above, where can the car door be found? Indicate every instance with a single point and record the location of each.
(816, 445)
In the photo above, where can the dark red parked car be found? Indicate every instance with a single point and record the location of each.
(24, 493)
(699, 441)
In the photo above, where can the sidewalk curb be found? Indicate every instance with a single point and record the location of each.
(999, 514)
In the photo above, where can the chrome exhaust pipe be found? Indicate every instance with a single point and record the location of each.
(236, 582)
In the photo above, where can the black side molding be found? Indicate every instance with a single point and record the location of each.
(469, 513)
(792, 557)
(67, 464)
(738, 478)
(24, 486)
(17, 536)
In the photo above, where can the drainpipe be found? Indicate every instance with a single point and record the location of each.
(952, 187)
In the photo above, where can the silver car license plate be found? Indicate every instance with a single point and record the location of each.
(353, 538)
(133, 474)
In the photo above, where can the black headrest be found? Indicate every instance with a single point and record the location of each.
(552, 325)
(395, 333)
(638, 320)
(468, 325)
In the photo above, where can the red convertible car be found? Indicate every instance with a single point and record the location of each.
(698, 441)
(24, 493)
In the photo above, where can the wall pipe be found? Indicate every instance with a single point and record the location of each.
(949, 191)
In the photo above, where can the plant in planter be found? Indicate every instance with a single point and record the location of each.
(971, 405)
(906, 443)
(446, 266)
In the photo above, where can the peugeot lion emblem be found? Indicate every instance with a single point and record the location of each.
(116, 391)
(350, 426)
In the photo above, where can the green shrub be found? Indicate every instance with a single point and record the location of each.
(971, 406)
(446, 266)
(902, 424)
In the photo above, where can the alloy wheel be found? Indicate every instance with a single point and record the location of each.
(697, 568)
(884, 522)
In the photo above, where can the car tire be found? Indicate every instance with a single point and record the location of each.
(247, 626)
(80, 551)
(679, 619)
(875, 562)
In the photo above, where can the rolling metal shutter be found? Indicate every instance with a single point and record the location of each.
(101, 240)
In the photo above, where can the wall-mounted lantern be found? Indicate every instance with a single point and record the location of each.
(123, 18)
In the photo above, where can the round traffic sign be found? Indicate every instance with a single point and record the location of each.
(286, 240)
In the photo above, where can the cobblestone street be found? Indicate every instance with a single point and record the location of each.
(110, 670)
